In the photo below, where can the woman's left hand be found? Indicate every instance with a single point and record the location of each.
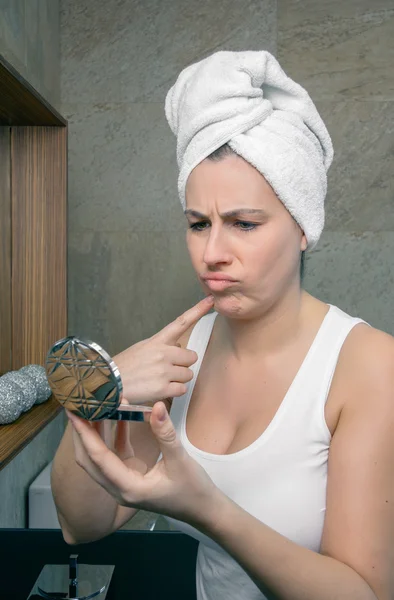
(177, 486)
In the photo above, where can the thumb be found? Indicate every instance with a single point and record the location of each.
(164, 431)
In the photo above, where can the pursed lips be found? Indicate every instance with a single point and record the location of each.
(217, 277)
(218, 283)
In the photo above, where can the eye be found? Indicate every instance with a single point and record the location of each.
(248, 226)
(242, 225)
(196, 226)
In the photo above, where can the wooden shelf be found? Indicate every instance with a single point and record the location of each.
(21, 104)
(33, 242)
(15, 436)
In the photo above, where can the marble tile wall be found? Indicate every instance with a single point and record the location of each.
(343, 53)
(129, 272)
(30, 41)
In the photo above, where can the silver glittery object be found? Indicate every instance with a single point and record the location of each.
(11, 401)
(39, 376)
(27, 386)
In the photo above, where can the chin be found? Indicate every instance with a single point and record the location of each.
(228, 305)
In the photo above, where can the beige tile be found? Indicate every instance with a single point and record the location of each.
(361, 179)
(122, 169)
(133, 51)
(338, 49)
(356, 273)
(124, 287)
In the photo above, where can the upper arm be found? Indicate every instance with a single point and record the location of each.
(359, 523)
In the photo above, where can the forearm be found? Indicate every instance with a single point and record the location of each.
(277, 565)
(86, 511)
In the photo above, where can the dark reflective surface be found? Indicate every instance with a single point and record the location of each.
(148, 565)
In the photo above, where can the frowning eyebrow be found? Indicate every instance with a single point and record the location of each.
(231, 213)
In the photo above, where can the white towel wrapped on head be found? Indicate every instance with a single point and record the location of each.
(246, 100)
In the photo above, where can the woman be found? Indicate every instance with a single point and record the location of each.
(279, 455)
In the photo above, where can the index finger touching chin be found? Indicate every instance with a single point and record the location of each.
(171, 333)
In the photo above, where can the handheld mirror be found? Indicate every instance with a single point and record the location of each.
(86, 381)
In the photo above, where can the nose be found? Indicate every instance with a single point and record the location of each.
(216, 249)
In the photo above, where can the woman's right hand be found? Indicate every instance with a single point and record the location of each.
(158, 368)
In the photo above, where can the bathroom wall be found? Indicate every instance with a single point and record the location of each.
(30, 41)
(343, 52)
(129, 271)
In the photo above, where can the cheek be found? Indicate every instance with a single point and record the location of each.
(193, 249)
(190, 243)
(272, 256)
(269, 246)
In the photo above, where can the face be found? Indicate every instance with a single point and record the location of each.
(238, 228)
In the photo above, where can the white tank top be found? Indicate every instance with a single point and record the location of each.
(281, 477)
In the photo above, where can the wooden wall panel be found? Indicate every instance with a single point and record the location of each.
(5, 251)
(39, 238)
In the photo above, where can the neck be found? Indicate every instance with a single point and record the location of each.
(273, 329)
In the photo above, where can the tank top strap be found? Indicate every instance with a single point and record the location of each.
(307, 397)
(301, 415)
(327, 353)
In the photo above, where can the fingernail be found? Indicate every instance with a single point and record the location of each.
(209, 298)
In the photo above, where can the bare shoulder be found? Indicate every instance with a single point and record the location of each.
(364, 337)
(367, 360)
